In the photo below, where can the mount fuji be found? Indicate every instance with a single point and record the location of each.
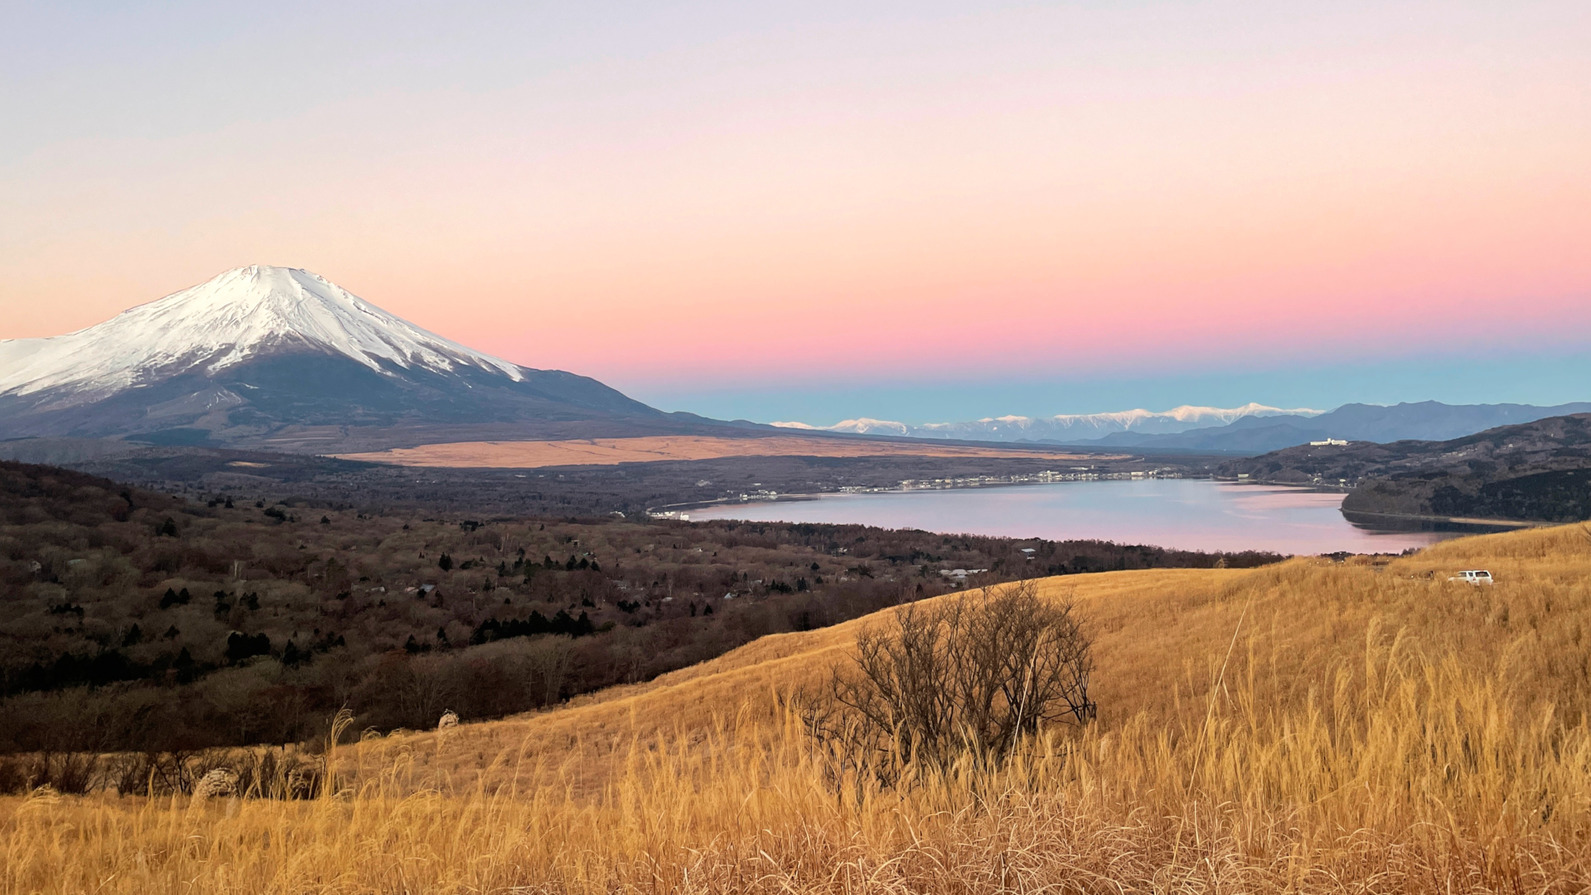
(272, 355)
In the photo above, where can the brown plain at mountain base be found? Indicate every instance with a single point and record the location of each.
(648, 449)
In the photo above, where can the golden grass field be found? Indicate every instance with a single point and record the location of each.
(1307, 727)
(650, 448)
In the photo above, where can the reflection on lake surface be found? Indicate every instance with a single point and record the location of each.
(1190, 514)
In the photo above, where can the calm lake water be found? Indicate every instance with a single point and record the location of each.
(1191, 514)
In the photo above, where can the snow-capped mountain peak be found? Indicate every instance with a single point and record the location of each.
(862, 426)
(1066, 425)
(240, 314)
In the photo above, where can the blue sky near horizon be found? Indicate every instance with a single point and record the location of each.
(1545, 379)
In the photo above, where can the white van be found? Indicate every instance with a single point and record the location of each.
(1473, 576)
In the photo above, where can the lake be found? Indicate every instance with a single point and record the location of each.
(1191, 514)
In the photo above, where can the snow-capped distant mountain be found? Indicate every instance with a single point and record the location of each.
(260, 348)
(1250, 429)
(1064, 427)
(1422, 421)
(239, 315)
(863, 426)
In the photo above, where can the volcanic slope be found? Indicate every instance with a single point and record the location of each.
(1307, 727)
(263, 355)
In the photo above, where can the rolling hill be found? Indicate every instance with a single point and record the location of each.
(1139, 619)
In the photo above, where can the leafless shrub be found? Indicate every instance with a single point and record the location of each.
(970, 677)
(131, 774)
(68, 773)
(277, 774)
(173, 772)
(260, 774)
(257, 773)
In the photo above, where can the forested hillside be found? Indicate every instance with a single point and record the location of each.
(177, 624)
(1539, 471)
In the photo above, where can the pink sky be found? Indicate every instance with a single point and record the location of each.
(720, 194)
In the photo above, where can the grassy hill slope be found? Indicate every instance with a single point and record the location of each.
(1311, 726)
(1158, 636)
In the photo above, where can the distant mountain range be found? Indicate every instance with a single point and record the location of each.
(1068, 428)
(1250, 429)
(282, 359)
(1423, 421)
(272, 355)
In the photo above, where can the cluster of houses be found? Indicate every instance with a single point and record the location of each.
(1075, 474)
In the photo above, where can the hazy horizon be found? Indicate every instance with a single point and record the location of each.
(1543, 381)
(1477, 379)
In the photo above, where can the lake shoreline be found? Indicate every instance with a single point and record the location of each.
(1172, 512)
(663, 511)
(1473, 525)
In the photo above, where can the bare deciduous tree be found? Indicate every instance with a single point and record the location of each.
(973, 675)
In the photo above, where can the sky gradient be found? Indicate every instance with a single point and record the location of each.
(812, 211)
